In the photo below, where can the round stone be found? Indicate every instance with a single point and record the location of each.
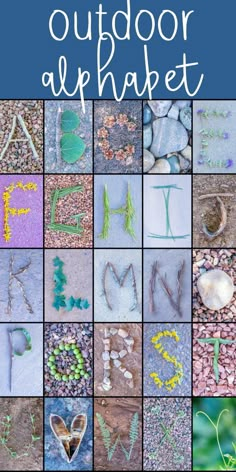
(148, 160)
(161, 166)
(187, 153)
(147, 115)
(174, 164)
(160, 108)
(216, 289)
(186, 117)
(147, 136)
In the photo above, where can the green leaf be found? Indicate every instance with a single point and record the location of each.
(69, 121)
(72, 147)
(35, 438)
(69, 303)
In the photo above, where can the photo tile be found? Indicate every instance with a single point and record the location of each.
(167, 359)
(68, 211)
(118, 359)
(21, 136)
(68, 359)
(21, 361)
(68, 137)
(214, 433)
(21, 272)
(68, 285)
(167, 285)
(167, 434)
(214, 136)
(117, 137)
(214, 211)
(68, 434)
(214, 353)
(118, 211)
(118, 285)
(21, 211)
(167, 211)
(21, 436)
(121, 419)
(213, 285)
(167, 136)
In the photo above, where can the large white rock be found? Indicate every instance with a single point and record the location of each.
(216, 289)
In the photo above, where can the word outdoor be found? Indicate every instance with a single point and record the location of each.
(134, 29)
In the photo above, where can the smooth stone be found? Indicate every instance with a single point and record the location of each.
(148, 160)
(122, 369)
(147, 136)
(106, 333)
(129, 340)
(107, 365)
(161, 166)
(128, 375)
(187, 153)
(174, 165)
(147, 115)
(168, 136)
(123, 333)
(130, 384)
(106, 341)
(183, 103)
(106, 356)
(107, 373)
(113, 331)
(107, 387)
(186, 117)
(173, 112)
(107, 347)
(216, 289)
(184, 163)
(116, 363)
(107, 381)
(122, 353)
(160, 108)
(114, 355)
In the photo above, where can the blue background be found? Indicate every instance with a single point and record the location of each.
(27, 49)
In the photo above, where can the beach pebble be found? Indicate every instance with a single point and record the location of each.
(216, 289)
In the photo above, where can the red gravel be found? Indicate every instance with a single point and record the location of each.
(204, 383)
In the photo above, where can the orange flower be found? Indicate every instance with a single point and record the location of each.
(102, 133)
(120, 155)
(131, 126)
(109, 121)
(130, 149)
(109, 154)
(104, 144)
(122, 119)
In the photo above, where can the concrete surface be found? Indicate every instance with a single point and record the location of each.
(117, 189)
(179, 210)
(218, 148)
(154, 362)
(169, 261)
(27, 370)
(78, 270)
(32, 279)
(120, 298)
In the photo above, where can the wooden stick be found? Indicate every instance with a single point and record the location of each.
(214, 195)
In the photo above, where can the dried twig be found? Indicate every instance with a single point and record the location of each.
(120, 281)
(14, 275)
(176, 304)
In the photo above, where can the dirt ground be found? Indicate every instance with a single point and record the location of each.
(207, 210)
(208, 259)
(204, 381)
(159, 452)
(20, 410)
(75, 203)
(19, 157)
(117, 413)
(132, 361)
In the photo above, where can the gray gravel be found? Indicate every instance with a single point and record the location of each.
(166, 456)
